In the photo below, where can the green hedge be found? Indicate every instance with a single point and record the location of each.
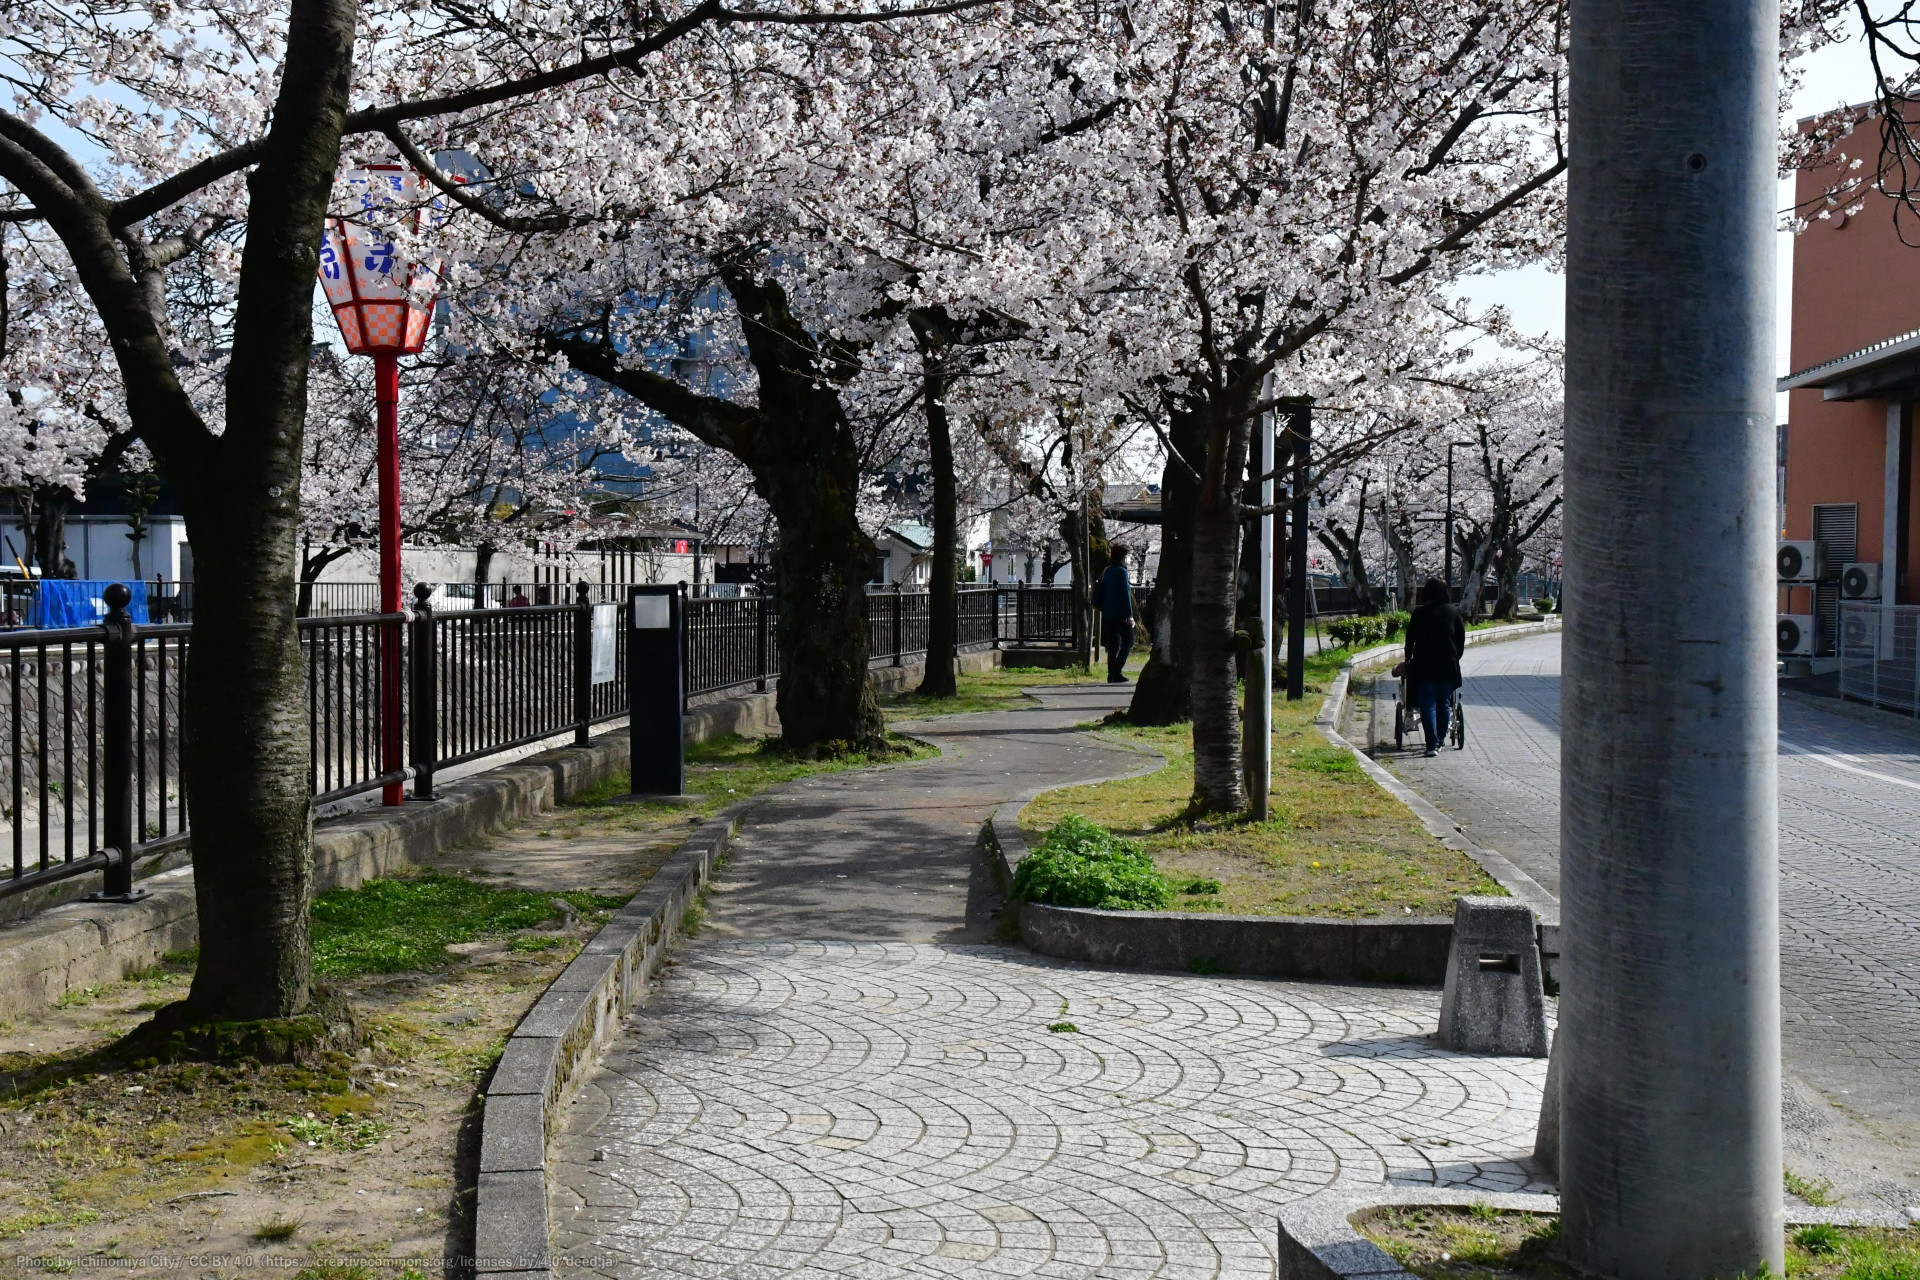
(1368, 630)
(1082, 864)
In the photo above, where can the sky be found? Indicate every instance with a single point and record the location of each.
(1537, 297)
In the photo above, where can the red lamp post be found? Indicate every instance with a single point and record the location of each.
(383, 301)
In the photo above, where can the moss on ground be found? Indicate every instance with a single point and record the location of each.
(732, 767)
(1335, 845)
(1482, 1243)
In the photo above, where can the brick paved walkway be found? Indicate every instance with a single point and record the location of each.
(1849, 855)
(840, 1078)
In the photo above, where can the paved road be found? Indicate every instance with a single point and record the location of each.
(1849, 855)
(841, 1078)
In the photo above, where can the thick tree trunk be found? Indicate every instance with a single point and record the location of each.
(806, 465)
(1216, 544)
(1402, 548)
(943, 623)
(1162, 695)
(50, 507)
(245, 748)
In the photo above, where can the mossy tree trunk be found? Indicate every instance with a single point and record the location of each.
(805, 462)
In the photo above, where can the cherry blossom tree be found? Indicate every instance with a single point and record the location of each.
(211, 134)
(1295, 186)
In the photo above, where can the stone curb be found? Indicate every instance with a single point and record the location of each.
(1442, 828)
(578, 1015)
(81, 944)
(1318, 1239)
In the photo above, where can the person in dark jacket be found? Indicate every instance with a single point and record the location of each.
(1113, 596)
(1436, 637)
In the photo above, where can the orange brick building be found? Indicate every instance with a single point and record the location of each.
(1855, 363)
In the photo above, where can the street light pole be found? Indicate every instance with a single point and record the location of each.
(1670, 1019)
(1451, 446)
(386, 397)
(382, 299)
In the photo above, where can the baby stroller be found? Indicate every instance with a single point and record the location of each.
(1406, 716)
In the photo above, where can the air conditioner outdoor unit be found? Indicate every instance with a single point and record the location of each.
(1796, 632)
(1859, 632)
(1860, 582)
(1800, 562)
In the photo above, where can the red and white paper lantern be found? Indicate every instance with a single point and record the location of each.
(381, 298)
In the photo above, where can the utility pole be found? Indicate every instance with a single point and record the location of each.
(1670, 1021)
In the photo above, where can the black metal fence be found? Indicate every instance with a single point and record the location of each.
(90, 774)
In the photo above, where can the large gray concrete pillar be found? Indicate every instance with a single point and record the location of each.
(1670, 1135)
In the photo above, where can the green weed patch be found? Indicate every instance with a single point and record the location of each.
(1082, 864)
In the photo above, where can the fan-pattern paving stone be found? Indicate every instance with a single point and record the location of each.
(842, 1077)
(873, 1108)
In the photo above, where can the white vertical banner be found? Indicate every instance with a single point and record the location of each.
(606, 621)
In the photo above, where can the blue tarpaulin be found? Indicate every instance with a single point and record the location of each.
(61, 602)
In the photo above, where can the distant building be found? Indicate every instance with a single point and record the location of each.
(1848, 471)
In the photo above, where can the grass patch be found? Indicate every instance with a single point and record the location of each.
(1336, 844)
(996, 690)
(731, 768)
(277, 1228)
(1483, 1243)
(395, 926)
(1815, 1191)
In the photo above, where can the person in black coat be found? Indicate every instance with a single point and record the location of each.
(1436, 637)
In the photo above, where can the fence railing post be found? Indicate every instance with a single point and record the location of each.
(760, 638)
(1019, 614)
(993, 598)
(582, 662)
(423, 722)
(896, 624)
(686, 646)
(117, 746)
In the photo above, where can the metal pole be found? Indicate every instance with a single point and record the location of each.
(1263, 677)
(1670, 1103)
(582, 663)
(1448, 535)
(1300, 428)
(386, 394)
(117, 746)
(422, 720)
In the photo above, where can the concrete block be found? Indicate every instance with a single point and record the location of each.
(513, 1133)
(526, 1066)
(1546, 1138)
(1494, 1000)
(1410, 949)
(510, 1224)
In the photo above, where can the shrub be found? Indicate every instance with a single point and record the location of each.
(1544, 604)
(1082, 864)
(1366, 630)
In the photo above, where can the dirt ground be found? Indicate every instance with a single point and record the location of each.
(356, 1165)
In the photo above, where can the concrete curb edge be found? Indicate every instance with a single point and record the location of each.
(571, 1022)
(1438, 824)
